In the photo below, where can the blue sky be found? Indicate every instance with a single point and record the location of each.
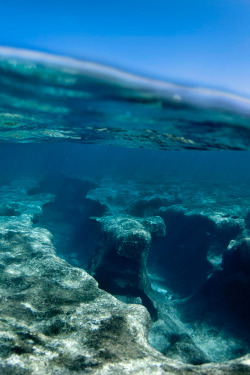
(195, 41)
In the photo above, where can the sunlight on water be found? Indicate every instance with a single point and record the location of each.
(51, 98)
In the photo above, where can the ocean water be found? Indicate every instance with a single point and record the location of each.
(143, 184)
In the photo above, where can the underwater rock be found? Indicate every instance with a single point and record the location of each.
(120, 258)
(21, 200)
(191, 296)
(170, 338)
(199, 226)
(133, 198)
(183, 349)
(55, 320)
(53, 317)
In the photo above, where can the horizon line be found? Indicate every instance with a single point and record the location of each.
(194, 95)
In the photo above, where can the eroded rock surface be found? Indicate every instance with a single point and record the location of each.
(53, 317)
(120, 258)
(188, 268)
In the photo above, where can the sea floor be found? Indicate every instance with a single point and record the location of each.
(180, 248)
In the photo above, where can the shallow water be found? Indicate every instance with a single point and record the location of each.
(50, 98)
(87, 153)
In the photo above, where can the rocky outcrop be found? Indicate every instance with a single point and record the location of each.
(187, 267)
(54, 319)
(200, 222)
(120, 258)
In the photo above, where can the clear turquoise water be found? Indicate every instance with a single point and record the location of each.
(52, 99)
(139, 140)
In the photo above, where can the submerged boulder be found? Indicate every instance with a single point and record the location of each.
(120, 258)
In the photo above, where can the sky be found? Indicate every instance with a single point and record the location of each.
(201, 42)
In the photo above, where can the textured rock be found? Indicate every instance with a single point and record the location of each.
(183, 348)
(199, 226)
(120, 259)
(187, 263)
(53, 317)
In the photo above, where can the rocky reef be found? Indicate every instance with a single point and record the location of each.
(198, 280)
(120, 258)
(56, 320)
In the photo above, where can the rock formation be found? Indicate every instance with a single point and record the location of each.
(187, 267)
(53, 317)
(120, 258)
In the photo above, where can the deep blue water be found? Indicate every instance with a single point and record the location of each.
(97, 161)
